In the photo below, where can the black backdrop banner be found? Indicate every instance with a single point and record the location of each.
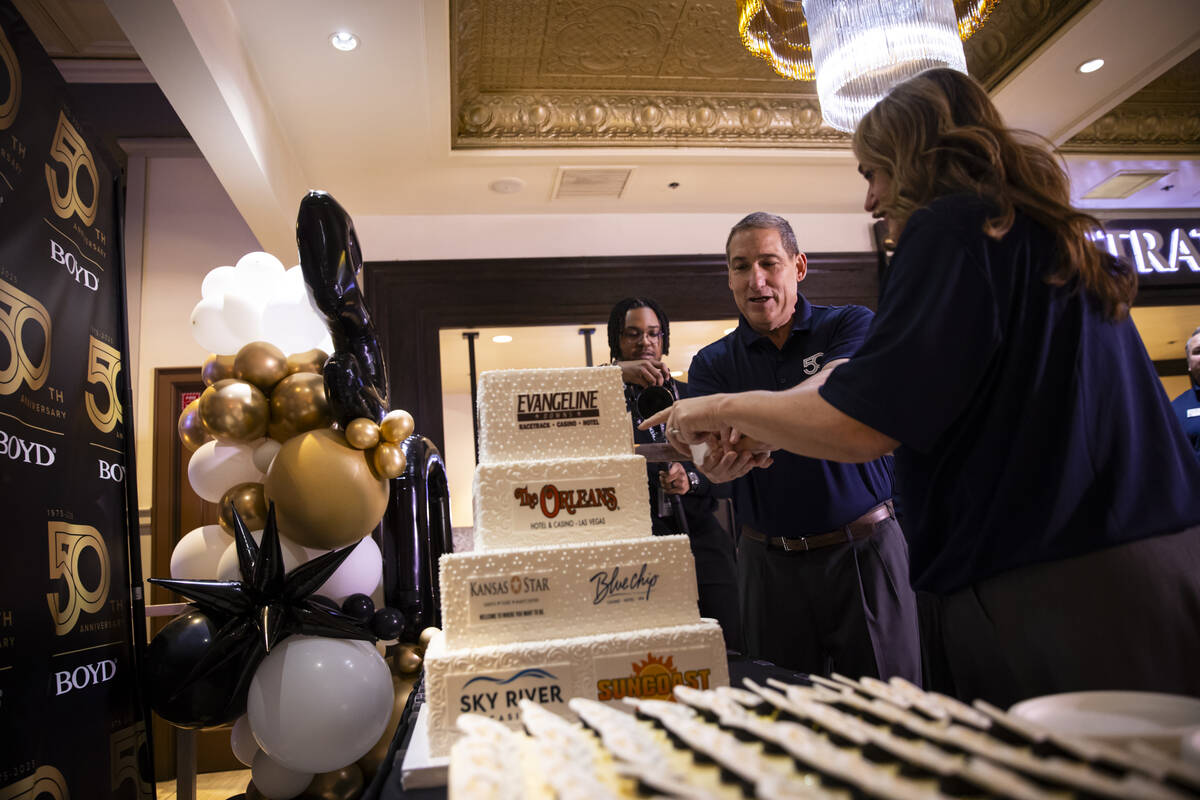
(71, 720)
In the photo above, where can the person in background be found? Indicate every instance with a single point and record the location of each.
(1050, 498)
(681, 500)
(1187, 405)
(822, 562)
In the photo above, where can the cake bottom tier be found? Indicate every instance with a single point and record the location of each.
(646, 663)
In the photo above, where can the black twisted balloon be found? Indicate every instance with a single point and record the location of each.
(356, 380)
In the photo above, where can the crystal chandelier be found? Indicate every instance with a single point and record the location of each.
(856, 50)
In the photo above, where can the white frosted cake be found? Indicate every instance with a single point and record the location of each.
(567, 593)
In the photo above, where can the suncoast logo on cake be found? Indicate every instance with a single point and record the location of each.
(651, 678)
(558, 409)
(498, 694)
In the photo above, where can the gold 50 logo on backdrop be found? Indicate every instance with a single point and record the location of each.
(68, 543)
(69, 149)
(18, 310)
(46, 781)
(104, 362)
(11, 104)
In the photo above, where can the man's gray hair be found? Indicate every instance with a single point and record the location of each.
(761, 220)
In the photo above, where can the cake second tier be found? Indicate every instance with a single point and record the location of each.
(554, 501)
(504, 596)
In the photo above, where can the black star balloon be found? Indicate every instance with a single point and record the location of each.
(234, 624)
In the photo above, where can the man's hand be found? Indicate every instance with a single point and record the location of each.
(644, 372)
(674, 479)
(721, 466)
(729, 454)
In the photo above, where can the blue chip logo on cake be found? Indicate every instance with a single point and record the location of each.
(499, 694)
(627, 585)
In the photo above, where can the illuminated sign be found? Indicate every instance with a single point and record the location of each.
(1161, 250)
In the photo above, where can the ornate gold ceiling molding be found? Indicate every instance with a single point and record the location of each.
(659, 73)
(1163, 117)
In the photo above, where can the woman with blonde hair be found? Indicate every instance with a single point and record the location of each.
(1051, 501)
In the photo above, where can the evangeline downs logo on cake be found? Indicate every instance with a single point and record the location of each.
(651, 678)
(558, 409)
(497, 695)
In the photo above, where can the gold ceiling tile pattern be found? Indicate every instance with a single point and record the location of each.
(1162, 117)
(547, 73)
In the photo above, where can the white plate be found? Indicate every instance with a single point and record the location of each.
(1116, 717)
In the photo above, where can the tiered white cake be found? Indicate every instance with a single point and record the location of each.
(566, 594)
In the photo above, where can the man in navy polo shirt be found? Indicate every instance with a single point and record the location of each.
(822, 562)
(1187, 405)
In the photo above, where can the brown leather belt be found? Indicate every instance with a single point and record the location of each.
(860, 528)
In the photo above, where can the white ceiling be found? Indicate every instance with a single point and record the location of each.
(276, 110)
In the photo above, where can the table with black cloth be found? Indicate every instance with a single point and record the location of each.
(387, 786)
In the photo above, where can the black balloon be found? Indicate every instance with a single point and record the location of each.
(328, 602)
(356, 382)
(387, 624)
(214, 698)
(359, 606)
(414, 534)
(243, 621)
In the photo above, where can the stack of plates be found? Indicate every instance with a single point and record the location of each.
(1168, 722)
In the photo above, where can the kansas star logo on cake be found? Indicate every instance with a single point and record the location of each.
(652, 679)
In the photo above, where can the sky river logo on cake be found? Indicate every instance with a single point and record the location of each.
(651, 678)
(558, 409)
(498, 695)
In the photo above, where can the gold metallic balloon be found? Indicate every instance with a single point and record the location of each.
(427, 634)
(402, 687)
(251, 503)
(191, 432)
(362, 433)
(216, 368)
(408, 659)
(324, 490)
(340, 784)
(280, 431)
(299, 402)
(233, 410)
(388, 460)
(308, 361)
(396, 426)
(262, 364)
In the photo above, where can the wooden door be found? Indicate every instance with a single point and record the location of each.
(176, 511)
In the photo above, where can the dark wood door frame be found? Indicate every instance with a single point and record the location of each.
(410, 301)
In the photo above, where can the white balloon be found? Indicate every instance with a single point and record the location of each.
(217, 282)
(228, 568)
(198, 553)
(241, 741)
(216, 467)
(243, 316)
(209, 328)
(292, 326)
(277, 781)
(292, 288)
(326, 344)
(317, 703)
(258, 262)
(360, 573)
(265, 453)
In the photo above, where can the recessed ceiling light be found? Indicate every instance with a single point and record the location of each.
(507, 185)
(1090, 66)
(1124, 183)
(675, 373)
(343, 40)
(501, 339)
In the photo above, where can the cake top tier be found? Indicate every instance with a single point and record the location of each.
(530, 414)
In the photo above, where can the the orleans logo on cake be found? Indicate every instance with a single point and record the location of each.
(527, 503)
(529, 414)
(538, 593)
